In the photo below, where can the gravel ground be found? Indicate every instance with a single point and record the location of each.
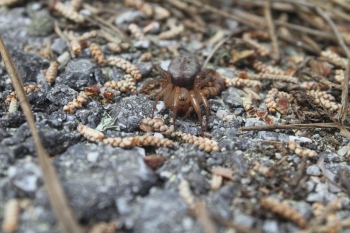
(115, 185)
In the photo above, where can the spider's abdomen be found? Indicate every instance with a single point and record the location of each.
(183, 70)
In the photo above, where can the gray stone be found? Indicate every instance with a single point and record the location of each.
(59, 46)
(60, 95)
(81, 73)
(163, 211)
(25, 175)
(129, 17)
(142, 44)
(232, 98)
(130, 111)
(313, 170)
(94, 187)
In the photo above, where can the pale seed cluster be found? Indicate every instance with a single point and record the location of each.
(114, 47)
(141, 5)
(146, 57)
(278, 100)
(126, 66)
(312, 85)
(97, 54)
(339, 75)
(262, 169)
(89, 133)
(125, 85)
(27, 89)
(136, 32)
(13, 106)
(334, 58)
(156, 125)
(75, 45)
(8, 2)
(71, 107)
(68, 12)
(51, 72)
(172, 32)
(11, 215)
(261, 50)
(284, 210)
(239, 82)
(147, 140)
(324, 99)
(270, 100)
(248, 102)
(261, 67)
(76, 4)
(186, 194)
(138, 141)
(273, 77)
(204, 144)
(296, 148)
(87, 36)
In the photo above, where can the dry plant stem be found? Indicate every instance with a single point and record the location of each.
(64, 38)
(101, 22)
(275, 49)
(345, 88)
(320, 78)
(58, 200)
(292, 126)
(203, 215)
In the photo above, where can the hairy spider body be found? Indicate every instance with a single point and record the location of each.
(185, 87)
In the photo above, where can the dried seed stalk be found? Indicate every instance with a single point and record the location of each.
(334, 58)
(136, 32)
(203, 143)
(138, 141)
(68, 12)
(325, 100)
(261, 50)
(97, 54)
(76, 4)
(273, 77)
(114, 47)
(284, 210)
(296, 148)
(156, 125)
(27, 89)
(248, 102)
(11, 215)
(146, 57)
(171, 33)
(9, 2)
(239, 82)
(126, 66)
(71, 107)
(261, 67)
(89, 133)
(125, 85)
(87, 36)
(51, 72)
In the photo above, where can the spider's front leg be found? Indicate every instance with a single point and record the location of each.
(168, 89)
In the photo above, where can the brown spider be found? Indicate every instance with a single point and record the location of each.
(185, 87)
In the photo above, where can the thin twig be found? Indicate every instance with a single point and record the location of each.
(292, 126)
(272, 32)
(53, 185)
(345, 88)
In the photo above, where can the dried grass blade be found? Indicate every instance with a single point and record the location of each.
(53, 186)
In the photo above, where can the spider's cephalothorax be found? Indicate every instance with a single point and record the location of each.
(185, 87)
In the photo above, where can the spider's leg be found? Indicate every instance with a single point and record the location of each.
(196, 106)
(168, 88)
(176, 105)
(190, 109)
(206, 105)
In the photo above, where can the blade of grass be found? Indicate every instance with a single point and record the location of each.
(53, 186)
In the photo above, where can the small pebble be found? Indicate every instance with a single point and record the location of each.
(313, 170)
